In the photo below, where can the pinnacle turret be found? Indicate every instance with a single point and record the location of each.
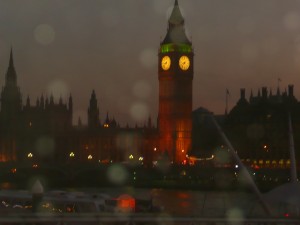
(11, 60)
(107, 118)
(93, 112)
(42, 102)
(70, 103)
(28, 101)
(11, 75)
(51, 99)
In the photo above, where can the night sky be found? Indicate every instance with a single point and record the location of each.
(111, 46)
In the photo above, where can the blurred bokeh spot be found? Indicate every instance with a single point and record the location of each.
(44, 34)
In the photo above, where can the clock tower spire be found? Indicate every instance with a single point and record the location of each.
(175, 75)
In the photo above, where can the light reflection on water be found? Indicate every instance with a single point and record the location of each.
(192, 203)
(7, 186)
(200, 203)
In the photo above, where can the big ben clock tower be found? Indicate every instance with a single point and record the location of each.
(175, 74)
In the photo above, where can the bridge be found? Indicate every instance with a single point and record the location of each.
(135, 219)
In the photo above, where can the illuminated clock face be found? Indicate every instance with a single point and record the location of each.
(165, 62)
(184, 62)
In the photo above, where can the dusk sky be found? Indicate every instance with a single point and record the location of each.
(111, 46)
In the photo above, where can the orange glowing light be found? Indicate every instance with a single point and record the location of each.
(126, 203)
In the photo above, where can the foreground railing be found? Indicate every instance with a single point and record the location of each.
(86, 219)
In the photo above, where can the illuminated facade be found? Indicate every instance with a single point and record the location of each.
(175, 74)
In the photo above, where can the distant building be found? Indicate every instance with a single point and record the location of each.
(257, 128)
(44, 132)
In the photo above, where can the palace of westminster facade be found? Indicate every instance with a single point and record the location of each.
(44, 132)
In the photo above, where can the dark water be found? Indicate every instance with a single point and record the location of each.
(193, 203)
(185, 202)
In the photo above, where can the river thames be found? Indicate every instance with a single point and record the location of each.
(194, 203)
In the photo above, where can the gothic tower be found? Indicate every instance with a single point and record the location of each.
(93, 112)
(175, 74)
(11, 99)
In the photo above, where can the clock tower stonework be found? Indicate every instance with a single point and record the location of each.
(175, 75)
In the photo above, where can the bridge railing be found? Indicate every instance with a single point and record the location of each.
(123, 219)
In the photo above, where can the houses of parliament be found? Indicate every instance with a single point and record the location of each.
(42, 132)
